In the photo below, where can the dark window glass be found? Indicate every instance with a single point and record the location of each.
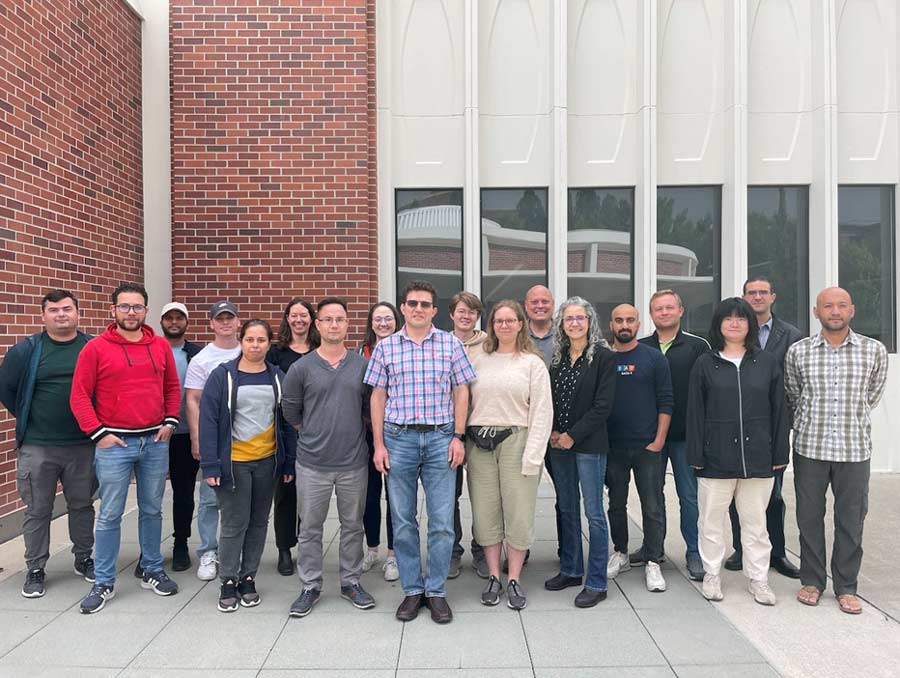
(689, 223)
(866, 258)
(778, 247)
(513, 243)
(429, 243)
(600, 253)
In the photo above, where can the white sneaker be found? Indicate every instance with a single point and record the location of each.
(390, 569)
(762, 592)
(618, 562)
(654, 577)
(712, 587)
(370, 559)
(209, 566)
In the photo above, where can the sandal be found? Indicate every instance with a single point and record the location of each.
(809, 595)
(849, 604)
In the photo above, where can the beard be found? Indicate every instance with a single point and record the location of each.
(624, 336)
(176, 334)
(129, 325)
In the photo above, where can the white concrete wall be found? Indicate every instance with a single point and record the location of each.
(560, 93)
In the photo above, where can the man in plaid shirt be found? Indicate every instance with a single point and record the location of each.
(833, 380)
(420, 400)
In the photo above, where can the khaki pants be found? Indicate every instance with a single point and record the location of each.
(751, 497)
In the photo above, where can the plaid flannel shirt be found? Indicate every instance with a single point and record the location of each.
(831, 392)
(418, 378)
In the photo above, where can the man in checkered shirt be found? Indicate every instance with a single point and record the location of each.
(833, 380)
(420, 400)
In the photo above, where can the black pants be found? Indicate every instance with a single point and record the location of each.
(646, 466)
(775, 512)
(850, 486)
(285, 517)
(183, 476)
(458, 550)
(549, 465)
(372, 515)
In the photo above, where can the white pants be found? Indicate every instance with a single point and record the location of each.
(751, 497)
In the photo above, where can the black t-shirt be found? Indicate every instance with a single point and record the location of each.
(284, 357)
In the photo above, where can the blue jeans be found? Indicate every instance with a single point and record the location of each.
(114, 465)
(207, 519)
(686, 487)
(571, 470)
(413, 454)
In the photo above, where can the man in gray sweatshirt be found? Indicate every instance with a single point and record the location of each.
(324, 396)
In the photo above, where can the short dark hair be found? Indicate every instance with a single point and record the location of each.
(467, 298)
(255, 322)
(733, 306)
(758, 278)
(54, 296)
(130, 287)
(418, 286)
(331, 300)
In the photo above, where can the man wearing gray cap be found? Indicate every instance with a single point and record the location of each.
(224, 321)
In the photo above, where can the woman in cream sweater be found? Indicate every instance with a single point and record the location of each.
(509, 425)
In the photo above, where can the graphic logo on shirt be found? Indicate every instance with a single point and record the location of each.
(626, 370)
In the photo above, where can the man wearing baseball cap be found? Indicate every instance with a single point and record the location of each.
(225, 323)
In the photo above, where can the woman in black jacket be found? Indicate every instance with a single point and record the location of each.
(737, 430)
(583, 382)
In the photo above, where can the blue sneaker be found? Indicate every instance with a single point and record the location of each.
(159, 583)
(96, 599)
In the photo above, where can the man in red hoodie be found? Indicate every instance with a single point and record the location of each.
(126, 397)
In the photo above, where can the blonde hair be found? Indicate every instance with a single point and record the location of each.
(524, 344)
(665, 293)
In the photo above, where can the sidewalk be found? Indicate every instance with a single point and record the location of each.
(633, 633)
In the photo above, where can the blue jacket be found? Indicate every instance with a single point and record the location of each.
(218, 401)
(18, 374)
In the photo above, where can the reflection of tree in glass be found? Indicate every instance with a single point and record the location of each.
(588, 211)
(529, 214)
(680, 229)
(860, 274)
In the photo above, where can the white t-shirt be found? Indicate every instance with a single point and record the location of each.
(736, 361)
(208, 359)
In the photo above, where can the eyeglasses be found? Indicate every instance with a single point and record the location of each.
(383, 320)
(573, 319)
(506, 321)
(332, 321)
(127, 308)
(736, 320)
(413, 303)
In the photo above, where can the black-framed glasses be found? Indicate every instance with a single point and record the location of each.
(127, 308)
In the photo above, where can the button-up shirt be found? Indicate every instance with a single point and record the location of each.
(419, 377)
(764, 331)
(832, 391)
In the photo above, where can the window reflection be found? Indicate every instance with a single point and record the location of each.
(429, 243)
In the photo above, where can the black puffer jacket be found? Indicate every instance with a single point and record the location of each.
(737, 421)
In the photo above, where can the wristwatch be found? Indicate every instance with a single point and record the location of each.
(460, 437)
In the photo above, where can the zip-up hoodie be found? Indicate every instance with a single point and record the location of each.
(125, 387)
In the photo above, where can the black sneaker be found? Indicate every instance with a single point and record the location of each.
(96, 599)
(181, 557)
(34, 584)
(159, 583)
(85, 568)
(358, 597)
(228, 596)
(515, 596)
(304, 603)
(491, 594)
(247, 591)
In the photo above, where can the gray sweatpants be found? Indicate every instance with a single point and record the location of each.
(40, 467)
(850, 486)
(314, 490)
(244, 517)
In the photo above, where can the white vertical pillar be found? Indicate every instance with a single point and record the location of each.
(645, 190)
(471, 188)
(557, 247)
(387, 237)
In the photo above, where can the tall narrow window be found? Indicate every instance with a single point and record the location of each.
(866, 266)
(429, 243)
(600, 254)
(689, 224)
(778, 247)
(513, 242)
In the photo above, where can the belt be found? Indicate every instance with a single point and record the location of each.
(424, 428)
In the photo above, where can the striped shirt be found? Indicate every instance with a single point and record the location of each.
(419, 378)
(832, 392)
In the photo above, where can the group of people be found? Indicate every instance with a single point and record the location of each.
(297, 418)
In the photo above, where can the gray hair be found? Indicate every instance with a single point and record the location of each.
(561, 342)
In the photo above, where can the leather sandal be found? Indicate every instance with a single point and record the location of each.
(849, 604)
(809, 595)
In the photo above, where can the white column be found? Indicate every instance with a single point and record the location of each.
(387, 237)
(645, 190)
(471, 188)
(558, 211)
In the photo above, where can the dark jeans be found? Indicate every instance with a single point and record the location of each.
(548, 464)
(646, 467)
(285, 518)
(458, 550)
(587, 471)
(775, 512)
(244, 517)
(183, 477)
(686, 488)
(850, 486)
(372, 516)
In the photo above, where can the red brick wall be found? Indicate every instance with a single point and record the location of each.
(70, 167)
(273, 153)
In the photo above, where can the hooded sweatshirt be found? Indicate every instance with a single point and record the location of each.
(473, 344)
(125, 387)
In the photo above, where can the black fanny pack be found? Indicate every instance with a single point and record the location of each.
(487, 437)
